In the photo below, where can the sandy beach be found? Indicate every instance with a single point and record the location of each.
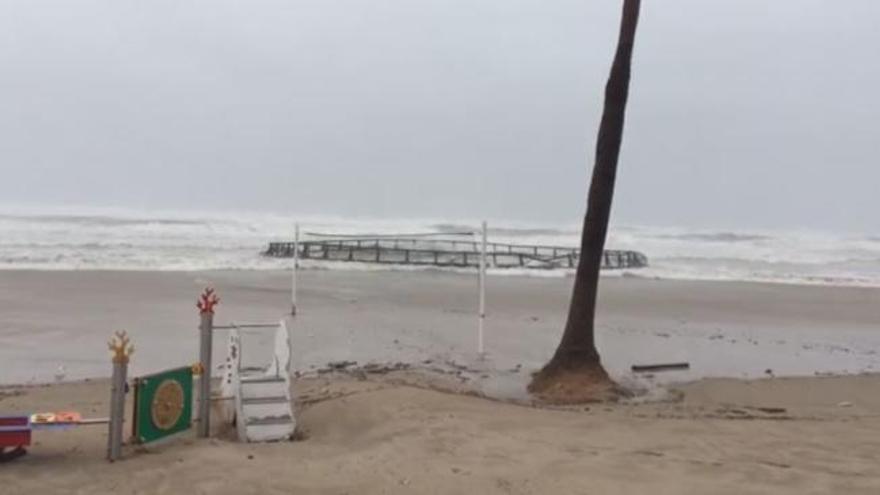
(732, 329)
(388, 436)
(426, 429)
(502, 247)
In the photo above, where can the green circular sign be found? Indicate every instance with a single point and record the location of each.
(167, 405)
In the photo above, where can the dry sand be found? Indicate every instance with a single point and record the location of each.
(381, 436)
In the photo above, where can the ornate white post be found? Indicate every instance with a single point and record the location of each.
(482, 282)
(295, 268)
(206, 304)
(121, 348)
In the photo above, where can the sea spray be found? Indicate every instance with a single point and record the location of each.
(99, 239)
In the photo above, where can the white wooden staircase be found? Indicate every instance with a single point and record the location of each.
(262, 405)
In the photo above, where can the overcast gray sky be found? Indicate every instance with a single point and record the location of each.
(744, 113)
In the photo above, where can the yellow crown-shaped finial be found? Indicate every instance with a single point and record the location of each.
(120, 347)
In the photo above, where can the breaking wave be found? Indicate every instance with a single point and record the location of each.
(126, 240)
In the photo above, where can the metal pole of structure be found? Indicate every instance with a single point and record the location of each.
(482, 282)
(295, 269)
(121, 347)
(206, 304)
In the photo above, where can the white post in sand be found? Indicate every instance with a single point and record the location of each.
(295, 268)
(482, 282)
(206, 304)
(121, 349)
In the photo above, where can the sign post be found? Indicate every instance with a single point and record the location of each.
(206, 304)
(295, 268)
(482, 283)
(121, 348)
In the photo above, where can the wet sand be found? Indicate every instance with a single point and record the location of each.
(52, 319)
(398, 433)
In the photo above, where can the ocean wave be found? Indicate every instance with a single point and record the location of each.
(98, 240)
(503, 231)
(716, 237)
(99, 220)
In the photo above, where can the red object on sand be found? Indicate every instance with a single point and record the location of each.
(61, 420)
(15, 431)
(15, 438)
(207, 301)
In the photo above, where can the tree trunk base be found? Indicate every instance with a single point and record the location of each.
(574, 383)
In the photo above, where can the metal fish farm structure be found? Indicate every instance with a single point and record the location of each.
(428, 251)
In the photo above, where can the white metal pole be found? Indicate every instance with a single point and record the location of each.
(206, 339)
(482, 283)
(121, 347)
(295, 268)
(117, 409)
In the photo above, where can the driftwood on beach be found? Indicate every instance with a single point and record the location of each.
(641, 368)
(445, 252)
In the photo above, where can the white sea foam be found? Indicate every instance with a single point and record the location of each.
(103, 239)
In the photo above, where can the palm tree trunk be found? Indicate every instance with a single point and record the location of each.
(577, 349)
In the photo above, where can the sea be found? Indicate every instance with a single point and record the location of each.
(122, 239)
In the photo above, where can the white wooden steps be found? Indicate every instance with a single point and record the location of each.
(263, 406)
